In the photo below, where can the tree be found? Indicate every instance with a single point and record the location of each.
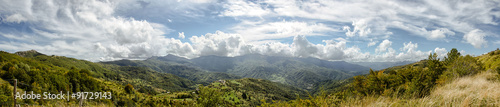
(452, 55)
(423, 82)
(210, 97)
(129, 89)
(359, 85)
(434, 64)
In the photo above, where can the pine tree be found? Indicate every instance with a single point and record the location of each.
(452, 56)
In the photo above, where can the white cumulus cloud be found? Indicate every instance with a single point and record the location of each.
(86, 29)
(476, 38)
(219, 43)
(433, 20)
(410, 52)
(441, 52)
(383, 46)
(110, 30)
(361, 28)
(440, 33)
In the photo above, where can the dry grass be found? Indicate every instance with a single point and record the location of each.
(473, 91)
(470, 91)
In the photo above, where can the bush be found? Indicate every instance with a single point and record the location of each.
(464, 66)
(5, 95)
(129, 89)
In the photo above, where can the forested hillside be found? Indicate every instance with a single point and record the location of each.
(41, 73)
(131, 83)
(185, 71)
(304, 73)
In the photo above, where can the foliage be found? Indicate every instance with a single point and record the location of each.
(80, 81)
(410, 81)
(413, 81)
(183, 95)
(498, 70)
(129, 89)
(210, 97)
(491, 60)
(5, 95)
(451, 56)
(40, 73)
(456, 80)
(148, 90)
(40, 76)
(464, 66)
(245, 92)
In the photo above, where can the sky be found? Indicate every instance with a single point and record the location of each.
(335, 30)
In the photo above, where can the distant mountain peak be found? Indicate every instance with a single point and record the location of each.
(171, 55)
(171, 58)
(29, 53)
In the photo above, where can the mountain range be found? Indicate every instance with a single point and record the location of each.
(382, 65)
(299, 72)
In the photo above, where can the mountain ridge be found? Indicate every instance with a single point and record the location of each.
(300, 72)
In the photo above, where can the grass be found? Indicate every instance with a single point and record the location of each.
(477, 90)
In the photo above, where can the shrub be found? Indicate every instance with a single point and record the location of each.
(5, 95)
(129, 89)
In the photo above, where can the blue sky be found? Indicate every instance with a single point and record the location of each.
(353, 30)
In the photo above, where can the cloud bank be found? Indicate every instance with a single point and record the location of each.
(103, 30)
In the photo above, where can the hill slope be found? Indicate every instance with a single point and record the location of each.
(454, 80)
(185, 71)
(41, 73)
(121, 74)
